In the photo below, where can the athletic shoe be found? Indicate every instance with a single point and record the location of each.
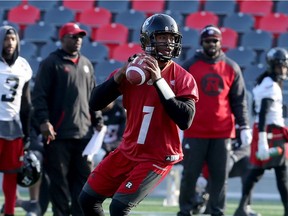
(251, 212)
(32, 208)
(241, 212)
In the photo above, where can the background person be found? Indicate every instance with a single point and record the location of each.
(15, 112)
(63, 86)
(269, 129)
(222, 100)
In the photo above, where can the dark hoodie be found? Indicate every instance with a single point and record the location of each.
(222, 96)
(15, 106)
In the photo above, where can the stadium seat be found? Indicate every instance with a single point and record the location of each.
(148, 6)
(256, 8)
(34, 64)
(114, 6)
(199, 20)
(23, 15)
(281, 7)
(250, 74)
(112, 35)
(1, 15)
(229, 38)
(87, 28)
(243, 56)
(43, 5)
(134, 36)
(14, 25)
(40, 32)
(131, 19)
(190, 37)
(258, 40)
(177, 16)
(52, 16)
(47, 48)
(8, 5)
(275, 23)
(282, 40)
(28, 49)
(262, 58)
(240, 22)
(221, 8)
(78, 6)
(103, 69)
(122, 52)
(183, 7)
(95, 52)
(190, 53)
(95, 17)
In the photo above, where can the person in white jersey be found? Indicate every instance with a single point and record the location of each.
(269, 130)
(15, 111)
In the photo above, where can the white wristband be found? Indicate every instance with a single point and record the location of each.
(165, 89)
(262, 137)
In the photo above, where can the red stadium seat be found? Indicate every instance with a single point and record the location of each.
(112, 35)
(229, 38)
(256, 8)
(95, 18)
(275, 23)
(124, 51)
(148, 7)
(24, 15)
(199, 20)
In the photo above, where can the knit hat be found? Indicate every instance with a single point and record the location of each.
(210, 31)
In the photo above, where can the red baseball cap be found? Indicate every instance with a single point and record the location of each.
(71, 28)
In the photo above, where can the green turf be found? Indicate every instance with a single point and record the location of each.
(154, 207)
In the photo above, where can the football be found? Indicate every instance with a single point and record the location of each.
(135, 73)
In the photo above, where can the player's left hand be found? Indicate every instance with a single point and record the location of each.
(246, 137)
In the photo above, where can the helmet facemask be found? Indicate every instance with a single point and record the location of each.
(160, 24)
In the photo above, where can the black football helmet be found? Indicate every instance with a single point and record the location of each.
(160, 24)
(277, 56)
(31, 170)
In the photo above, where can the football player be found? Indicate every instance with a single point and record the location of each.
(155, 112)
(269, 130)
(15, 112)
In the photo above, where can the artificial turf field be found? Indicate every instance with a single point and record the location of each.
(153, 207)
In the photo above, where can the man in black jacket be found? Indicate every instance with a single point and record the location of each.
(62, 90)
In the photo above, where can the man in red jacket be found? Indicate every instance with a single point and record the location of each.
(222, 100)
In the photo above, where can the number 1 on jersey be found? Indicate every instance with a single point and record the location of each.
(145, 124)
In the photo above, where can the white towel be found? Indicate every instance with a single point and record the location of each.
(95, 143)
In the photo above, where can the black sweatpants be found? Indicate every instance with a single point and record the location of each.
(68, 171)
(215, 152)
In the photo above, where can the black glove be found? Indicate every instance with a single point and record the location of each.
(26, 142)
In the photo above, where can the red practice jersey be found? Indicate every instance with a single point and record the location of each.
(150, 134)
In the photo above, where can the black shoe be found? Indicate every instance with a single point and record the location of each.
(32, 208)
